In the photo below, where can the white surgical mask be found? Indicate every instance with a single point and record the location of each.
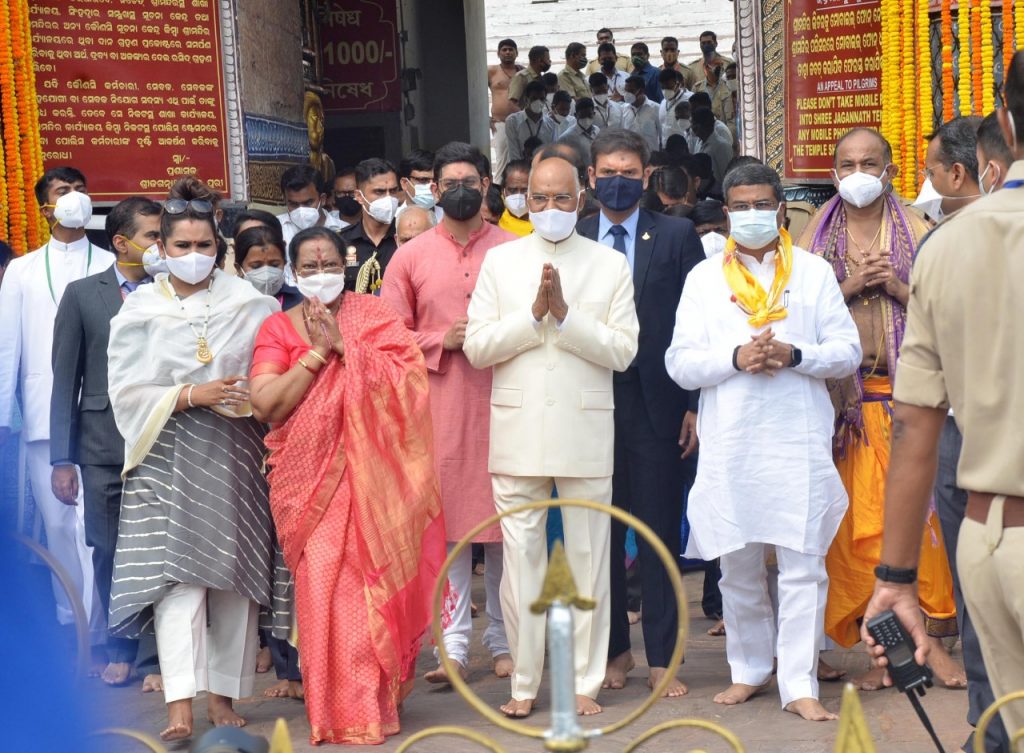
(553, 224)
(860, 189)
(669, 93)
(382, 209)
(536, 107)
(323, 286)
(192, 268)
(153, 262)
(601, 99)
(268, 280)
(516, 204)
(424, 197)
(304, 217)
(585, 123)
(73, 210)
(629, 98)
(754, 228)
(714, 243)
(981, 180)
(683, 124)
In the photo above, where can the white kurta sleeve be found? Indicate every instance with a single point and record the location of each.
(612, 343)
(837, 353)
(10, 341)
(692, 360)
(492, 337)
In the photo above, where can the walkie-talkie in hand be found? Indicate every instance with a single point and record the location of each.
(908, 676)
(906, 673)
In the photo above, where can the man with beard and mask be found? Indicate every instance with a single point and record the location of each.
(532, 122)
(642, 67)
(607, 65)
(540, 62)
(951, 166)
(709, 58)
(370, 243)
(553, 314)
(670, 62)
(621, 62)
(302, 187)
(655, 421)
(415, 175)
(514, 183)
(607, 112)
(571, 78)
(343, 197)
(869, 239)
(429, 283)
(34, 285)
(759, 329)
(583, 131)
(640, 114)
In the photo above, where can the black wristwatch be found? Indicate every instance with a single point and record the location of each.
(902, 575)
(796, 357)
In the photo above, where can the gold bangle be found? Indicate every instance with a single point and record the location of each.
(318, 357)
(307, 367)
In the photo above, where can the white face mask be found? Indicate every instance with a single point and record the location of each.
(192, 268)
(323, 286)
(73, 210)
(423, 196)
(536, 107)
(585, 123)
(714, 243)
(516, 204)
(601, 99)
(683, 124)
(553, 224)
(995, 180)
(305, 217)
(860, 189)
(669, 94)
(382, 209)
(268, 280)
(153, 262)
(754, 228)
(629, 98)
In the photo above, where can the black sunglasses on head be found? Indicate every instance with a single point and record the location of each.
(179, 206)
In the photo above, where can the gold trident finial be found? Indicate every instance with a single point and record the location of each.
(853, 736)
(559, 585)
(281, 741)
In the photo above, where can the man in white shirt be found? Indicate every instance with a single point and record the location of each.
(758, 330)
(582, 134)
(673, 94)
(529, 122)
(712, 142)
(607, 59)
(302, 187)
(639, 114)
(696, 102)
(553, 314)
(561, 105)
(607, 112)
(33, 287)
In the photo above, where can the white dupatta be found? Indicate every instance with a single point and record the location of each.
(152, 352)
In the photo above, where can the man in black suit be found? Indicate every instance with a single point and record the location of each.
(655, 420)
(82, 428)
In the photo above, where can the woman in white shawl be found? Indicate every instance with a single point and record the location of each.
(195, 542)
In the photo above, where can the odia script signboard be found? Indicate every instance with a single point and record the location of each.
(131, 92)
(359, 40)
(832, 79)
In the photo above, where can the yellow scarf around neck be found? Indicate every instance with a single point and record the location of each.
(762, 307)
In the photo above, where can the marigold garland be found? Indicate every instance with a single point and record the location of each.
(39, 231)
(1018, 22)
(926, 109)
(946, 30)
(988, 59)
(911, 131)
(963, 20)
(13, 197)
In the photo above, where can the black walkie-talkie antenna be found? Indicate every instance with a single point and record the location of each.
(923, 716)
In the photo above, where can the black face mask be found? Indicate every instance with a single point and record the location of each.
(461, 203)
(347, 206)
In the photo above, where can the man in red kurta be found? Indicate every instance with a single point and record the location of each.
(429, 282)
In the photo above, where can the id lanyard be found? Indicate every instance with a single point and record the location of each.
(49, 277)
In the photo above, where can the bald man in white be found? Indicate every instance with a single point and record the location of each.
(553, 314)
(411, 222)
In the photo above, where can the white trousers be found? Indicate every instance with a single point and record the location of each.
(499, 150)
(65, 540)
(587, 544)
(206, 640)
(752, 639)
(460, 581)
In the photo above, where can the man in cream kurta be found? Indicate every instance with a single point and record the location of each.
(765, 477)
(33, 287)
(551, 416)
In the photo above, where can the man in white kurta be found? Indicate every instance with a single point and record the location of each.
(765, 477)
(553, 313)
(32, 289)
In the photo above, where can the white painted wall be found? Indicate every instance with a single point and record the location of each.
(556, 23)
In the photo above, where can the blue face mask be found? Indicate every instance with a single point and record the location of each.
(618, 193)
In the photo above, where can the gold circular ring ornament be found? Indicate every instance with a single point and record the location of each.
(981, 728)
(526, 730)
(149, 742)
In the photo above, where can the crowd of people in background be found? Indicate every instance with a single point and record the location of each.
(241, 428)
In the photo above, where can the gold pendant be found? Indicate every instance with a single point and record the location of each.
(203, 354)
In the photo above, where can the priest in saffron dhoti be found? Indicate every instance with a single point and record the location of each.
(869, 238)
(758, 330)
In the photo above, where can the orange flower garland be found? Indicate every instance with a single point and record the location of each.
(976, 51)
(946, 28)
(963, 18)
(38, 230)
(910, 130)
(23, 99)
(925, 107)
(988, 78)
(14, 197)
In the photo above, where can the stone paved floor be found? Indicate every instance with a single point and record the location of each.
(760, 723)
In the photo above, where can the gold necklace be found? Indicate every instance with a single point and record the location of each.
(860, 248)
(203, 353)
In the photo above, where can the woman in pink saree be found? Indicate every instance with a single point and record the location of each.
(352, 491)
